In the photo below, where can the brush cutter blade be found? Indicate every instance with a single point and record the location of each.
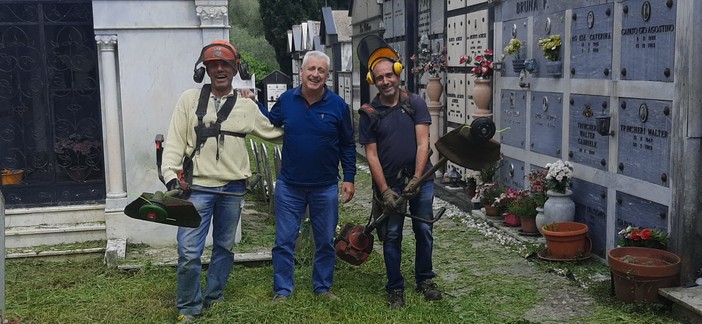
(162, 208)
(353, 245)
(461, 147)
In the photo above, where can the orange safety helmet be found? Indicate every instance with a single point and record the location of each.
(217, 50)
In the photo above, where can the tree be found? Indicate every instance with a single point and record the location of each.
(281, 15)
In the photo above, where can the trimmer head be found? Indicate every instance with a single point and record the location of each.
(162, 208)
(353, 245)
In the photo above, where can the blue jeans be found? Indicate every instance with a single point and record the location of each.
(421, 206)
(223, 212)
(290, 204)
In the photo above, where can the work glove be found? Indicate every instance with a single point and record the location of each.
(390, 201)
(412, 188)
(173, 185)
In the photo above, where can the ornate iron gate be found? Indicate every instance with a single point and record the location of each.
(50, 123)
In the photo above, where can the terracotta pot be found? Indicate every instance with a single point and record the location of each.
(482, 94)
(567, 240)
(638, 272)
(12, 177)
(528, 225)
(490, 211)
(434, 89)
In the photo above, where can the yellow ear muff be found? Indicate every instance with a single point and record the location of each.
(396, 68)
(369, 78)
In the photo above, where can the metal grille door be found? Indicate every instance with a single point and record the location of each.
(50, 123)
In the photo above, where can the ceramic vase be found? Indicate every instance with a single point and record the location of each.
(540, 219)
(434, 89)
(482, 94)
(559, 207)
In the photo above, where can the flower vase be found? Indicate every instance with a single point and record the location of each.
(434, 89)
(482, 94)
(528, 224)
(638, 273)
(559, 207)
(518, 65)
(540, 219)
(554, 68)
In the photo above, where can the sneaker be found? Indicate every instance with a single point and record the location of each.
(396, 298)
(329, 296)
(278, 298)
(187, 318)
(429, 289)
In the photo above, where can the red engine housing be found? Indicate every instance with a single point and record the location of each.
(353, 245)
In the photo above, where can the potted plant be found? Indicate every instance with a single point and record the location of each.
(551, 46)
(488, 193)
(525, 208)
(537, 187)
(559, 207)
(513, 48)
(567, 241)
(432, 63)
(640, 265)
(482, 85)
(503, 203)
(11, 176)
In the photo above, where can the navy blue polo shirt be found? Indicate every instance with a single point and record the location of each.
(317, 138)
(395, 137)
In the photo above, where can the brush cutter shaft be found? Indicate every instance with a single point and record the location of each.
(439, 164)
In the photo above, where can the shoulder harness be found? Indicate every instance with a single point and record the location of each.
(203, 132)
(375, 116)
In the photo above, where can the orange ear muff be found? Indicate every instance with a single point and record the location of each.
(396, 68)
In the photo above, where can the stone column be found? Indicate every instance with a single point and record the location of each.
(213, 16)
(434, 110)
(111, 112)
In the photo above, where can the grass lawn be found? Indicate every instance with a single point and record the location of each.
(485, 279)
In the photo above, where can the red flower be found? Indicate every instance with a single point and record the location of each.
(646, 234)
(635, 235)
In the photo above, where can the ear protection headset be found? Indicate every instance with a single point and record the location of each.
(396, 68)
(235, 60)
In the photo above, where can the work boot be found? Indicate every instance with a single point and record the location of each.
(187, 318)
(396, 298)
(329, 296)
(429, 289)
(278, 298)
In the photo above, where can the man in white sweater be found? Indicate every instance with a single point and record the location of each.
(216, 155)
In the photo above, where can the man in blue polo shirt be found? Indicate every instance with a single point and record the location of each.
(395, 133)
(318, 136)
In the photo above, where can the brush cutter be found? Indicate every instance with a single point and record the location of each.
(170, 207)
(468, 146)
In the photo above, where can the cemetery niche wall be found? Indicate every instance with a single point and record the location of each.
(611, 112)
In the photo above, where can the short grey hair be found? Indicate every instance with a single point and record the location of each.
(316, 54)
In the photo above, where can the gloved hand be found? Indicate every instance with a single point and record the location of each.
(390, 200)
(173, 185)
(412, 188)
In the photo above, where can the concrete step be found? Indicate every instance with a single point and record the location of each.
(30, 236)
(687, 303)
(19, 217)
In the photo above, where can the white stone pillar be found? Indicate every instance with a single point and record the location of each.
(114, 170)
(434, 111)
(213, 16)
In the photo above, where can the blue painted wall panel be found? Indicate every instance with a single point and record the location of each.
(546, 122)
(513, 115)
